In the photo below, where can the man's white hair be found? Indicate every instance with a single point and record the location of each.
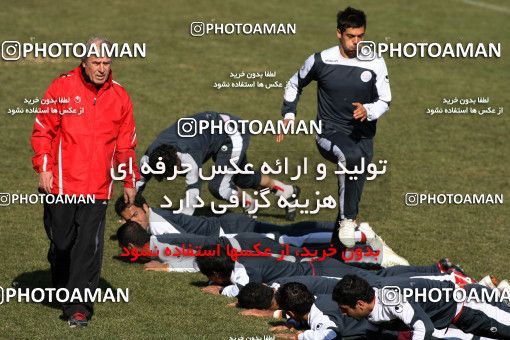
(96, 41)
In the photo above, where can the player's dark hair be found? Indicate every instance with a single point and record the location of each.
(295, 297)
(120, 205)
(350, 18)
(220, 265)
(132, 232)
(351, 289)
(168, 155)
(255, 295)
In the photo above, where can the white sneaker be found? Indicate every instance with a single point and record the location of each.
(367, 230)
(249, 204)
(389, 257)
(489, 281)
(504, 285)
(346, 232)
(374, 242)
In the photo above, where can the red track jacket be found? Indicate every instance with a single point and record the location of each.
(80, 133)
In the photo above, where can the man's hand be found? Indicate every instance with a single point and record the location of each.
(360, 112)
(156, 266)
(46, 181)
(232, 304)
(257, 312)
(287, 335)
(213, 289)
(129, 195)
(286, 122)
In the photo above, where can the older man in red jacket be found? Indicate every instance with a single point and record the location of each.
(84, 129)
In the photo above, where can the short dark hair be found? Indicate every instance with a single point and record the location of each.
(221, 265)
(350, 18)
(132, 232)
(120, 205)
(351, 289)
(168, 155)
(295, 297)
(255, 295)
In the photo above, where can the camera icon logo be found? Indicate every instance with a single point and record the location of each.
(197, 29)
(391, 296)
(187, 127)
(365, 51)
(5, 199)
(411, 199)
(11, 50)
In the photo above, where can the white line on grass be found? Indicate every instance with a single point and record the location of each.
(488, 6)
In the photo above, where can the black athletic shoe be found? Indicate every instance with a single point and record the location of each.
(78, 320)
(290, 212)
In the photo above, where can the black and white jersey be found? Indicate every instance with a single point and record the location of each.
(325, 285)
(263, 270)
(317, 285)
(194, 148)
(200, 146)
(177, 263)
(183, 247)
(340, 82)
(422, 316)
(162, 221)
(326, 322)
(268, 269)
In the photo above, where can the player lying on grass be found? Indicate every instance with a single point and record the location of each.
(176, 252)
(489, 317)
(161, 221)
(318, 317)
(181, 147)
(230, 276)
(259, 298)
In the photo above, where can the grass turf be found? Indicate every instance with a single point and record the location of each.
(439, 154)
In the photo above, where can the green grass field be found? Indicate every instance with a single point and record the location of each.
(438, 154)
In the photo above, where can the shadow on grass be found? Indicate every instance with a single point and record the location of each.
(199, 283)
(42, 279)
(126, 259)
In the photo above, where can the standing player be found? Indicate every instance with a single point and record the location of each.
(352, 94)
(176, 147)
